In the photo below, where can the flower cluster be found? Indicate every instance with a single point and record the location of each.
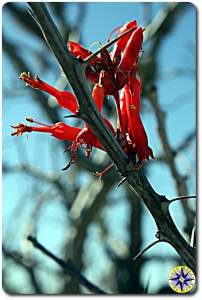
(112, 73)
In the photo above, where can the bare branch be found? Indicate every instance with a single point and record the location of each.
(164, 20)
(181, 147)
(169, 153)
(29, 266)
(68, 266)
(88, 215)
(38, 174)
(186, 142)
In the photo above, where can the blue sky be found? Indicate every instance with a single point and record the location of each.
(177, 51)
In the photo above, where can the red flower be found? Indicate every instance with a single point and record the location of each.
(120, 45)
(64, 98)
(61, 130)
(114, 73)
(112, 70)
(130, 57)
(133, 128)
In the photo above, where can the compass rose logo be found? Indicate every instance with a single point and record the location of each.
(182, 279)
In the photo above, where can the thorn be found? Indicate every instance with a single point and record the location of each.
(181, 198)
(72, 116)
(147, 248)
(13, 133)
(72, 161)
(121, 182)
(66, 167)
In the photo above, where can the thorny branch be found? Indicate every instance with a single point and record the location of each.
(74, 71)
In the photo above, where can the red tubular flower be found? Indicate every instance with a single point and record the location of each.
(98, 96)
(92, 75)
(64, 98)
(135, 89)
(130, 57)
(105, 67)
(114, 73)
(61, 130)
(124, 114)
(79, 52)
(107, 80)
(132, 50)
(100, 68)
(105, 59)
(136, 129)
(121, 43)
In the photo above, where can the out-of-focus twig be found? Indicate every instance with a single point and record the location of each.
(32, 171)
(67, 266)
(169, 155)
(164, 20)
(186, 142)
(29, 266)
(10, 49)
(89, 215)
